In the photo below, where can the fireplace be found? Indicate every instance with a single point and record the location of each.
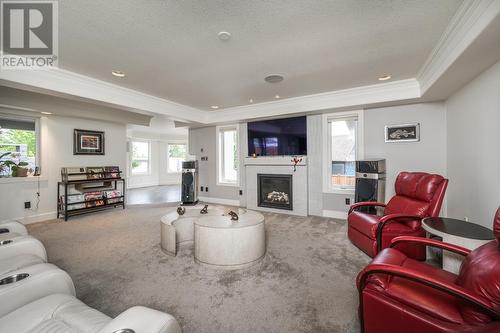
(275, 191)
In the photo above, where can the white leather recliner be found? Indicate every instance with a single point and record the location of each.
(15, 246)
(27, 284)
(13, 227)
(61, 313)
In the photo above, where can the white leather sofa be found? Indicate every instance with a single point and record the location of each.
(60, 313)
(27, 284)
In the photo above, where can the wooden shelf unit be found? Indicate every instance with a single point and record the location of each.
(63, 186)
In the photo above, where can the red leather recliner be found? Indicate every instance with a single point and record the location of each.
(399, 294)
(418, 195)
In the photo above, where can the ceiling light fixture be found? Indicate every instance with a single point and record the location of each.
(277, 96)
(274, 78)
(224, 35)
(118, 73)
(215, 107)
(45, 112)
(384, 77)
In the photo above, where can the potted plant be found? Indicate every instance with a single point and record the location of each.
(18, 169)
(4, 168)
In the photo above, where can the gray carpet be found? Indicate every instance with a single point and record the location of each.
(306, 282)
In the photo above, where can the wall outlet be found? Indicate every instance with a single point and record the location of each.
(201, 188)
(206, 188)
(347, 201)
(27, 204)
(241, 192)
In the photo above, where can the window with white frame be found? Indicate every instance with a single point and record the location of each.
(343, 148)
(175, 156)
(227, 160)
(19, 144)
(140, 157)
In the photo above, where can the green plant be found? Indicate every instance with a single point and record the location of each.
(3, 165)
(14, 167)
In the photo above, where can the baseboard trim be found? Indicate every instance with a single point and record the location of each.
(220, 201)
(36, 218)
(141, 185)
(335, 214)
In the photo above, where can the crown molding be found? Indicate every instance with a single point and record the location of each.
(352, 97)
(470, 20)
(63, 83)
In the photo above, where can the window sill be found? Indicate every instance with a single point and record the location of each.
(228, 184)
(340, 191)
(30, 179)
(140, 174)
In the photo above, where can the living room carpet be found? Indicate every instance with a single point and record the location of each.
(306, 282)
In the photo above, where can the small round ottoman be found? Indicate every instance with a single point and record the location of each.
(221, 243)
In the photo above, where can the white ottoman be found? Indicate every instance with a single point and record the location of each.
(178, 229)
(224, 244)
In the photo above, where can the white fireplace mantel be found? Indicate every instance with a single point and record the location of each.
(279, 165)
(274, 160)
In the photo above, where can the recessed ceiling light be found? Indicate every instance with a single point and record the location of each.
(384, 78)
(215, 107)
(118, 73)
(274, 78)
(45, 112)
(224, 35)
(251, 100)
(277, 96)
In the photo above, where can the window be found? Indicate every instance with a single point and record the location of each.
(227, 143)
(343, 147)
(140, 157)
(176, 155)
(18, 143)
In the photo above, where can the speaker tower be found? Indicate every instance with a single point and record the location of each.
(370, 182)
(189, 190)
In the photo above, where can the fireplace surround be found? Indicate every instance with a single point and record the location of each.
(275, 191)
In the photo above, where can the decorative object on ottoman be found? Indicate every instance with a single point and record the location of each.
(181, 210)
(234, 216)
(204, 210)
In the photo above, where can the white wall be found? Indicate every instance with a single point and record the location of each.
(473, 158)
(205, 139)
(56, 152)
(159, 174)
(428, 155)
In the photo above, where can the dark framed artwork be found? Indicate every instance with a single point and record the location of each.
(87, 142)
(402, 133)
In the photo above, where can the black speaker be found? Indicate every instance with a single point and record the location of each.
(370, 182)
(189, 187)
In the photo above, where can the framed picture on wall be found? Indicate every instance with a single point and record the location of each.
(87, 142)
(402, 133)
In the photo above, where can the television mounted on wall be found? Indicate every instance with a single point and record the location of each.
(278, 137)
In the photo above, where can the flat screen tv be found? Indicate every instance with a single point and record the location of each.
(278, 137)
